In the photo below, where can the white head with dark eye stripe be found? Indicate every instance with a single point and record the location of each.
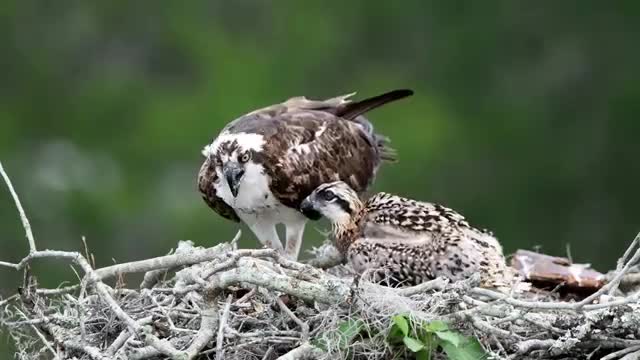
(234, 157)
(336, 201)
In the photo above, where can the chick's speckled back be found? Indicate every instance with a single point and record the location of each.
(408, 242)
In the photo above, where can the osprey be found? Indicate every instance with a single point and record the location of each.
(406, 242)
(263, 164)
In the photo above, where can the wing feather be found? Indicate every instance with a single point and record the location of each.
(412, 216)
(314, 147)
(352, 110)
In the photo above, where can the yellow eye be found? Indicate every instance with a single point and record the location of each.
(245, 157)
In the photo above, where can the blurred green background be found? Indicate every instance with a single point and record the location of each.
(524, 118)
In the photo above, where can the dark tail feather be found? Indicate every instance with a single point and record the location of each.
(352, 110)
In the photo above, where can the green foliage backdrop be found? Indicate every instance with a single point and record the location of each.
(524, 118)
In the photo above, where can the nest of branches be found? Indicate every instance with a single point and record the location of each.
(224, 302)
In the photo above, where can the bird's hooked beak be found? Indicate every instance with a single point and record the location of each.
(233, 172)
(307, 207)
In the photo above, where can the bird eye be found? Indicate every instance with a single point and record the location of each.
(328, 195)
(245, 157)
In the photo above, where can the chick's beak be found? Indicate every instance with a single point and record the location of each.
(308, 209)
(233, 173)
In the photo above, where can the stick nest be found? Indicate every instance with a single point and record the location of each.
(222, 302)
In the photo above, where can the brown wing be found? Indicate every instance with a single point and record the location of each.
(311, 142)
(206, 178)
(309, 148)
(340, 106)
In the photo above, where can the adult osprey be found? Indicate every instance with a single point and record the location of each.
(263, 164)
(404, 241)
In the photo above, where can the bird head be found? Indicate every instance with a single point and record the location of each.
(234, 169)
(336, 201)
(234, 156)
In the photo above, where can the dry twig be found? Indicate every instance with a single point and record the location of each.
(23, 216)
(223, 323)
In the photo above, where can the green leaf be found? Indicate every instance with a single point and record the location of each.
(452, 337)
(319, 343)
(436, 325)
(401, 322)
(412, 344)
(430, 343)
(395, 335)
(470, 350)
(349, 330)
(351, 327)
(423, 354)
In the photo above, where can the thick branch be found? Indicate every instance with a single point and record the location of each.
(328, 290)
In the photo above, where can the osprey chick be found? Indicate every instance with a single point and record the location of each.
(263, 164)
(406, 242)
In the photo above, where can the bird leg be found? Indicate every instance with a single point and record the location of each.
(267, 235)
(294, 234)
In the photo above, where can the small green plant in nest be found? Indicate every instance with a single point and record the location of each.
(424, 339)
